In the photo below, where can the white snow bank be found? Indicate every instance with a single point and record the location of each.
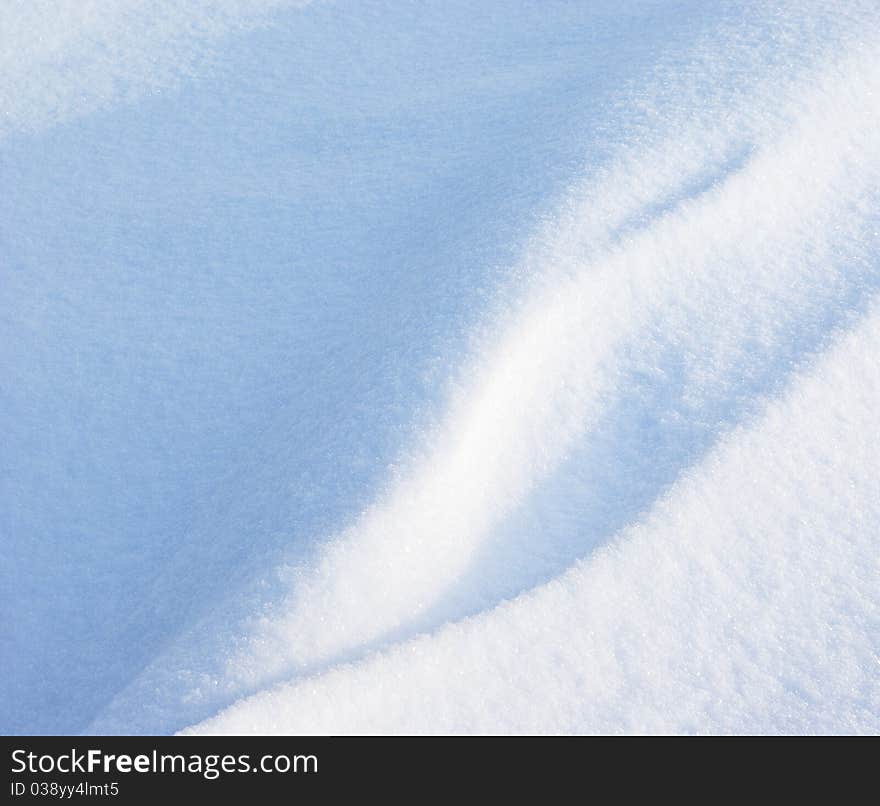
(710, 295)
(679, 285)
(747, 601)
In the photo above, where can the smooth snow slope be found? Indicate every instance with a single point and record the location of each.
(440, 367)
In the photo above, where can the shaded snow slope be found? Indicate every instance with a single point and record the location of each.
(227, 306)
(440, 366)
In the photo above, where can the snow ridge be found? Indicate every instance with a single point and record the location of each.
(753, 580)
(711, 296)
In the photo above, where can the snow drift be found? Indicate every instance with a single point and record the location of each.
(515, 375)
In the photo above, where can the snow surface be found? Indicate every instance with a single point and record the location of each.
(440, 367)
